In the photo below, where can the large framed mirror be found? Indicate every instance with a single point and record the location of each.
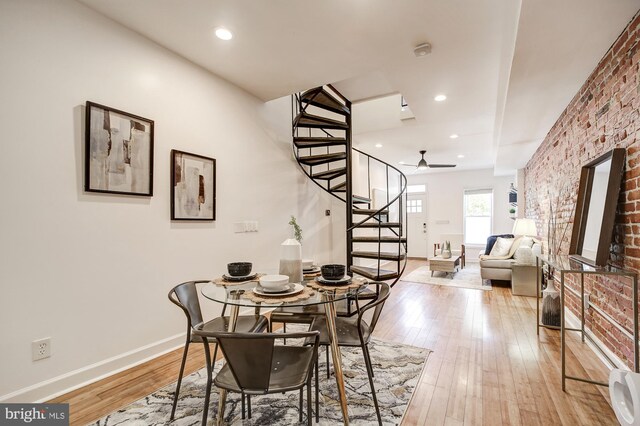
(595, 215)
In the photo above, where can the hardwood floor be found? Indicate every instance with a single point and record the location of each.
(488, 366)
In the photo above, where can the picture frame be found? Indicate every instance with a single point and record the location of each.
(118, 152)
(193, 186)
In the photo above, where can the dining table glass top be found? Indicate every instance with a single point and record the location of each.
(237, 294)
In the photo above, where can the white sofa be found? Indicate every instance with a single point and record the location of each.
(499, 268)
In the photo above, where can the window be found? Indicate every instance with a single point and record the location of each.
(414, 206)
(478, 215)
(415, 189)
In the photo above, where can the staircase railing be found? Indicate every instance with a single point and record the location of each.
(307, 149)
(400, 198)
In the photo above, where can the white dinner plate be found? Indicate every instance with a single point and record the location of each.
(313, 270)
(293, 289)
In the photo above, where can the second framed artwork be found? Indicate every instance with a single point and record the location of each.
(193, 186)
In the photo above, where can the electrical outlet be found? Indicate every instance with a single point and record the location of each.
(41, 349)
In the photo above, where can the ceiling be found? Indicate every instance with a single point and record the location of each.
(508, 68)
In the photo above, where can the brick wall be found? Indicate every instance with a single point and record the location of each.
(601, 116)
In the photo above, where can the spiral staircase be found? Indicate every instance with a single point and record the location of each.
(376, 236)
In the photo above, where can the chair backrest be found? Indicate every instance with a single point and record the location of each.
(383, 291)
(250, 356)
(185, 296)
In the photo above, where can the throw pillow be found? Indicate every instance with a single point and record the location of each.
(524, 256)
(492, 240)
(501, 247)
(526, 242)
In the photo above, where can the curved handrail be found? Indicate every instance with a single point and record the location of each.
(295, 155)
(403, 180)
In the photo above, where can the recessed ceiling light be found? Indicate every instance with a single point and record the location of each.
(454, 136)
(440, 98)
(378, 145)
(223, 33)
(460, 156)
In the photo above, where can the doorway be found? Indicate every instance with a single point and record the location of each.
(417, 225)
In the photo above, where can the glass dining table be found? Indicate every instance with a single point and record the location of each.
(241, 295)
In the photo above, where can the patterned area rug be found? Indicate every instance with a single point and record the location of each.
(397, 370)
(469, 277)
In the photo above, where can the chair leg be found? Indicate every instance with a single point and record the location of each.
(328, 370)
(300, 408)
(367, 361)
(249, 406)
(284, 330)
(175, 395)
(215, 355)
(243, 409)
(366, 348)
(309, 413)
(317, 391)
(207, 395)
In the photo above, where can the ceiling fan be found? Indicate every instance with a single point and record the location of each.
(423, 165)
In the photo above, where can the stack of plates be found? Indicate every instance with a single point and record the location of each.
(344, 280)
(288, 290)
(311, 271)
(240, 278)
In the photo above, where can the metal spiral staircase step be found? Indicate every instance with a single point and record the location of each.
(359, 199)
(317, 142)
(315, 160)
(382, 239)
(322, 99)
(381, 225)
(304, 119)
(367, 212)
(330, 174)
(381, 255)
(374, 274)
(341, 187)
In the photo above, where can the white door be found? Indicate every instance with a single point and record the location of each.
(417, 225)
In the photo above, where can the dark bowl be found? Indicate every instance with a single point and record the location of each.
(239, 269)
(333, 271)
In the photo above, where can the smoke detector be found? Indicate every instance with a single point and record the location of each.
(422, 49)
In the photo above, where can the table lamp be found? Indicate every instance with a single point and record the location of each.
(525, 227)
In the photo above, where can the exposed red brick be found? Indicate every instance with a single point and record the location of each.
(604, 114)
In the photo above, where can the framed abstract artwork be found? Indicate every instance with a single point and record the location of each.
(193, 186)
(118, 152)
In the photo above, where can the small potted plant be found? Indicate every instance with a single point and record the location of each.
(512, 213)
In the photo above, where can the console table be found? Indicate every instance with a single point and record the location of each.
(566, 265)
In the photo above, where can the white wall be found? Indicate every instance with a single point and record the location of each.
(93, 271)
(445, 202)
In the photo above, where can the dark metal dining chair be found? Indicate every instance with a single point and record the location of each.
(185, 296)
(257, 366)
(355, 332)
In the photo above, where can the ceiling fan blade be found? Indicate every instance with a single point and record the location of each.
(439, 166)
(409, 165)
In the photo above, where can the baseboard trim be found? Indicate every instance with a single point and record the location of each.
(68, 382)
(56, 386)
(574, 322)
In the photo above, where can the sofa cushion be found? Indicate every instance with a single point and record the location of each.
(501, 247)
(492, 240)
(496, 263)
(524, 256)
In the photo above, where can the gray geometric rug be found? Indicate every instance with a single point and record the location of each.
(397, 369)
